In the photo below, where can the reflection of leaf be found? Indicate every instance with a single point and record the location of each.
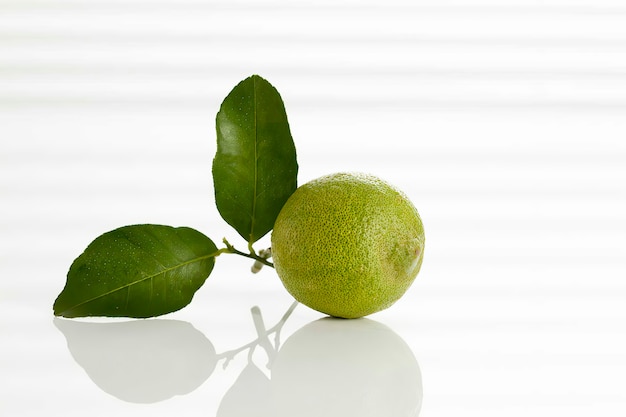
(249, 395)
(137, 271)
(141, 361)
(338, 368)
(255, 168)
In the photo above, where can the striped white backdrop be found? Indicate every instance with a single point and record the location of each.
(504, 121)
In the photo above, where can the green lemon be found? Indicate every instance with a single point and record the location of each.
(348, 245)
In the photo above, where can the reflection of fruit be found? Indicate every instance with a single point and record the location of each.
(334, 367)
(348, 245)
(249, 395)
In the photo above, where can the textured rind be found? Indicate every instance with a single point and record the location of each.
(348, 245)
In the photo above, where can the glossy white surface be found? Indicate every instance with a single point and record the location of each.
(503, 121)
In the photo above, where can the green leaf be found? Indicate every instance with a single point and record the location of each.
(137, 271)
(255, 168)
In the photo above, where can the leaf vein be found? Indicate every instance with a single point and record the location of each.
(256, 163)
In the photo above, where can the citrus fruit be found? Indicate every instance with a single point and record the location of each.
(347, 245)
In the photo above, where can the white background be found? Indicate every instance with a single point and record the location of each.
(504, 121)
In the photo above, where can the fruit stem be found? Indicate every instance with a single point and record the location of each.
(252, 255)
(251, 249)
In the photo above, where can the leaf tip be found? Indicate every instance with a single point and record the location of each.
(57, 309)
